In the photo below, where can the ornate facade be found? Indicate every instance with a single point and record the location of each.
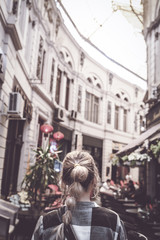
(49, 78)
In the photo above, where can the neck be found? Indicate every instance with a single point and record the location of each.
(85, 197)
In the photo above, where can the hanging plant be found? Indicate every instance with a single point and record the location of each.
(155, 149)
(114, 159)
(134, 159)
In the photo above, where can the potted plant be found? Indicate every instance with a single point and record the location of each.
(40, 175)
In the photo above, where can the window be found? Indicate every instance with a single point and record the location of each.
(98, 85)
(43, 62)
(126, 99)
(135, 122)
(91, 108)
(125, 121)
(95, 109)
(40, 61)
(118, 96)
(89, 80)
(67, 94)
(116, 124)
(109, 112)
(79, 99)
(58, 85)
(88, 106)
(52, 76)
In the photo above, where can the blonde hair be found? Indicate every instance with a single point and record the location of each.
(78, 172)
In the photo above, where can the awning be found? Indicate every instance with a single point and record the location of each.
(150, 133)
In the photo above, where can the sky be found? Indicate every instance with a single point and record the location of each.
(117, 33)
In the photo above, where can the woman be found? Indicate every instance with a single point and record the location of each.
(80, 218)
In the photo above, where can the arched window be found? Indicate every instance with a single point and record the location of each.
(98, 85)
(70, 64)
(118, 95)
(89, 80)
(126, 99)
(61, 55)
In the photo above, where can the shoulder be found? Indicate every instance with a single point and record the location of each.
(104, 217)
(53, 218)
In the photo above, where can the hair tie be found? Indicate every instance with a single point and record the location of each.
(76, 164)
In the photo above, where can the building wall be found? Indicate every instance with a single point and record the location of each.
(152, 38)
(22, 28)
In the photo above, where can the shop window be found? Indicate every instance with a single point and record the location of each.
(116, 120)
(109, 111)
(58, 85)
(52, 76)
(67, 94)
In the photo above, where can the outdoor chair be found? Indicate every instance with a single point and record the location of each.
(134, 235)
(6, 230)
(11, 206)
(8, 213)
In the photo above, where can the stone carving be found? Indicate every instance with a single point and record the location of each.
(58, 23)
(15, 7)
(29, 3)
(82, 59)
(50, 15)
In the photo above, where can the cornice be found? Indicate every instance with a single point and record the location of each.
(11, 29)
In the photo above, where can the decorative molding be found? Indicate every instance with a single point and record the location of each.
(11, 29)
(15, 7)
(58, 23)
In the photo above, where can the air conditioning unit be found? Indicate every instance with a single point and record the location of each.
(16, 105)
(73, 115)
(59, 115)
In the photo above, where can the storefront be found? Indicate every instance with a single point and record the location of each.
(18, 114)
(94, 147)
(64, 144)
(144, 152)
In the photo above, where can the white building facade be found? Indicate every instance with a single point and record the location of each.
(55, 81)
(152, 38)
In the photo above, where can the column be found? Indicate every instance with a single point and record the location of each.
(107, 150)
(77, 141)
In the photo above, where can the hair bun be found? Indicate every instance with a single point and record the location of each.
(79, 173)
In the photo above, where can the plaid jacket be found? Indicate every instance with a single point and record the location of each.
(89, 222)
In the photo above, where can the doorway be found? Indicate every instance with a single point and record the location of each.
(12, 157)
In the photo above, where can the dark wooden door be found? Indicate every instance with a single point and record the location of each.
(12, 157)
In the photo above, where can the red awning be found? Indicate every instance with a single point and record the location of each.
(150, 133)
